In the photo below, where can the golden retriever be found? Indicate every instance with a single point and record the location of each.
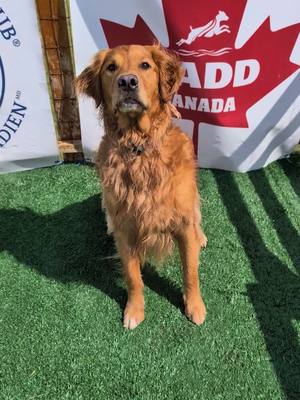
(147, 168)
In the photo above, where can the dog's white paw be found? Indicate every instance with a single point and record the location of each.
(133, 316)
(195, 311)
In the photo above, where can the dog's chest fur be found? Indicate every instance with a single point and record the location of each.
(140, 182)
(139, 190)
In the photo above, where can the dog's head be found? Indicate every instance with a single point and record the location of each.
(131, 80)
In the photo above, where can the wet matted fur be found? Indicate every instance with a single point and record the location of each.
(147, 168)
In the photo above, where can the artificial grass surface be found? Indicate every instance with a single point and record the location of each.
(61, 295)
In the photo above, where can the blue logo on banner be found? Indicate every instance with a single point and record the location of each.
(2, 82)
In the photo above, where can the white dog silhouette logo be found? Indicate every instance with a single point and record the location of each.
(212, 28)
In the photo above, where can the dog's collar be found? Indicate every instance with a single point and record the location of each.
(137, 150)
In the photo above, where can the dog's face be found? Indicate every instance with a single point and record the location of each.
(131, 79)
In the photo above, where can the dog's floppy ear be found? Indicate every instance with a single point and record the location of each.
(170, 71)
(89, 81)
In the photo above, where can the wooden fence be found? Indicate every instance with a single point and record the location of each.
(55, 29)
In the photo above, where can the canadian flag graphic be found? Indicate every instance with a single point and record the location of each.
(239, 98)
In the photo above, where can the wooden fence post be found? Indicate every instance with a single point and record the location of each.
(54, 24)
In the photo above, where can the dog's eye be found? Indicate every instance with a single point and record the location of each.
(145, 65)
(112, 67)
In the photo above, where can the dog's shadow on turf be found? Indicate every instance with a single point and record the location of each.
(71, 245)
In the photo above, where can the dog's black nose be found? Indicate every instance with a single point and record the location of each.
(128, 82)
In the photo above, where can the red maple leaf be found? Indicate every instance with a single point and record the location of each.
(203, 35)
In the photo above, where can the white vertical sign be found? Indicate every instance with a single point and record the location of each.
(27, 132)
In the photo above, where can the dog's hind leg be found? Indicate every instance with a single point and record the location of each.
(202, 238)
(109, 223)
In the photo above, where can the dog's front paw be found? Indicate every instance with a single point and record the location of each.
(133, 316)
(195, 311)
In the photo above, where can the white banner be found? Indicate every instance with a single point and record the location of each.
(27, 132)
(239, 99)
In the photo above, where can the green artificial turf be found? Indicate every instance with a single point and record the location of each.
(61, 294)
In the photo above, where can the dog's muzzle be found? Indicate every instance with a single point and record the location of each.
(128, 87)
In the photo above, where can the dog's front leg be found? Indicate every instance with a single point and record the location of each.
(189, 248)
(134, 310)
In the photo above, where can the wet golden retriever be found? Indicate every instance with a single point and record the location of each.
(147, 168)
